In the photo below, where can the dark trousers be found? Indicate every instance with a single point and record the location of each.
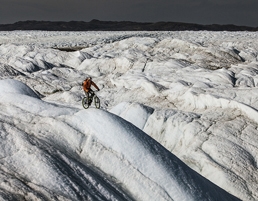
(89, 94)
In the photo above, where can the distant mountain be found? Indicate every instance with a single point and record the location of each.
(96, 25)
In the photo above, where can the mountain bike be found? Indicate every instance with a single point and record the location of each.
(89, 98)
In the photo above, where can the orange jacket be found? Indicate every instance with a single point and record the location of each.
(87, 84)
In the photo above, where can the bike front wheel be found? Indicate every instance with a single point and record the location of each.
(97, 102)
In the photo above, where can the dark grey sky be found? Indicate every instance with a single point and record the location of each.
(238, 12)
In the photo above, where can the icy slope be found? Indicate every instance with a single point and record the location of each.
(54, 152)
(221, 146)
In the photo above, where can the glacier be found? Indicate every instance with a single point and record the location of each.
(178, 117)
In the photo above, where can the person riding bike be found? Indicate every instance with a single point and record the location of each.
(86, 87)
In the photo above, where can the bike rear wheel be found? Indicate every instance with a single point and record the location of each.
(86, 102)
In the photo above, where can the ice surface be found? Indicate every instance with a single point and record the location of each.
(166, 97)
(68, 154)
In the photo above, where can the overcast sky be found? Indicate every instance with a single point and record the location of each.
(238, 12)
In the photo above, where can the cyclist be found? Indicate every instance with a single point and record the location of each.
(86, 87)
